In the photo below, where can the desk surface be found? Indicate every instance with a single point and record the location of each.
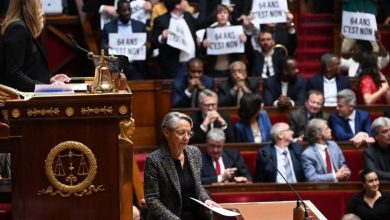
(270, 210)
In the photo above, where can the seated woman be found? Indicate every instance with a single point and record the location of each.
(373, 87)
(371, 203)
(172, 174)
(254, 125)
(218, 65)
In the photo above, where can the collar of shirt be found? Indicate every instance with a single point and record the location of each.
(352, 116)
(279, 150)
(120, 23)
(177, 16)
(321, 147)
(326, 80)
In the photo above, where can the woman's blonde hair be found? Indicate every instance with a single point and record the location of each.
(27, 10)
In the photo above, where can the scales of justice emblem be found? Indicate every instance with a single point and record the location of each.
(70, 168)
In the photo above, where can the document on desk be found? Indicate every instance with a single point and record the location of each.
(218, 210)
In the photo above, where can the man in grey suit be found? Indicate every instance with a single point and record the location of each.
(323, 160)
(298, 118)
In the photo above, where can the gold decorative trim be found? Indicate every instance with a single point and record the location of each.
(42, 112)
(69, 111)
(15, 113)
(68, 188)
(123, 109)
(127, 128)
(105, 110)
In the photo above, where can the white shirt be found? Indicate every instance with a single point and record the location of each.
(124, 29)
(281, 161)
(351, 121)
(321, 148)
(268, 63)
(330, 91)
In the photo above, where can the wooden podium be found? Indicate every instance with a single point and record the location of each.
(282, 210)
(74, 160)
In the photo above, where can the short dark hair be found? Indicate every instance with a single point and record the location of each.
(363, 173)
(325, 60)
(194, 60)
(250, 104)
(364, 46)
(170, 4)
(120, 2)
(283, 63)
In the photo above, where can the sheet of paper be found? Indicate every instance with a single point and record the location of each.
(220, 211)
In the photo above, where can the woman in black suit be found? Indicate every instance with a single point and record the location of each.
(25, 63)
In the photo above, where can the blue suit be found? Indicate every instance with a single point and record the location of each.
(180, 84)
(265, 172)
(273, 90)
(341, 129)
(230, 158)
(136, 69)
(243, 131)
(316, 82)
(314, 165)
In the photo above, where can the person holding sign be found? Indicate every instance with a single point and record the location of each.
(125, 26)
(373, 87)
(220, 42)
(237, 8)
(185, 91)
(232, 90)
(174, 35)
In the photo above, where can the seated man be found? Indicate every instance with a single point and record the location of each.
(298, 118)
(287, 89)
(231, 91)
(125, 26)
(377, 155)
(329, 81)
(186, 90)
(284, 154)
(348, 123)
(208, 118)
(323, 160)
(220, 165)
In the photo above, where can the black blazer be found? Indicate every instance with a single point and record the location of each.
(273, 89)
(168, 58)
(225, 98)
(230, 158)
(258, 62)
(316, 82)
(25, 62)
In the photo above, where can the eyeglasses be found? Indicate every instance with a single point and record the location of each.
(181, 133)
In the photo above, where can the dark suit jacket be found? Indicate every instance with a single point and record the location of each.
(3, 7)
(273, 89)
(297, 119)
(341, 130)
(225, 98)
(180, 84)
(200, 135)
(162, 186)
(25, 62)
(265, 172)
(231, 158)
(136, 69)
(282, 36)
(168, 58)
(376, 158)
(207, 7)
(258, 62)
(316, 82)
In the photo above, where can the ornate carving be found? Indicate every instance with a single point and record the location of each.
(43, 112)
(123, 109)
(126, 127)
(15, 113)
(65, 180)
(69, 111)
(105, 110)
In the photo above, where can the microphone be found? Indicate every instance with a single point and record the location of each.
(90, 55)
(306, 217)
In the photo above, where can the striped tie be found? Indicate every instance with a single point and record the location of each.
(287, 166)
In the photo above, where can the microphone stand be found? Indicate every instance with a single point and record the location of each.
(306, 217)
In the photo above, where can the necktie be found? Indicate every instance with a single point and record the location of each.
(240, 94)
(348, 126)
(327, 160)
(217, 168)
(287, 166)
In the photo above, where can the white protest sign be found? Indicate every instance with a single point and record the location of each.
(359, 25)
(137, 11)
(269, 11)
(133, 46)
(225, 40)
(179, 36)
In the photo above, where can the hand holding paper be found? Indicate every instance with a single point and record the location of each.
(218, 209)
